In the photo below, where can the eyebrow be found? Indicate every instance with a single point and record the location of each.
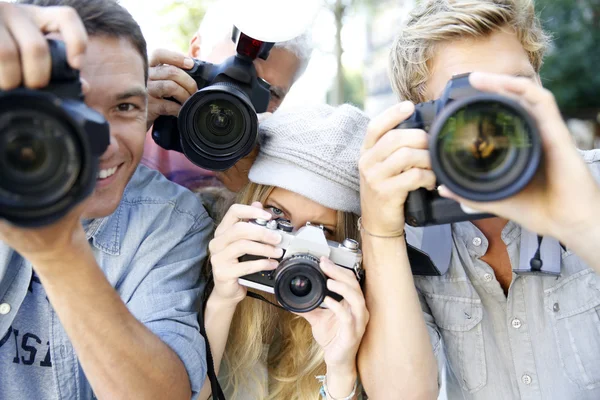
(132, 92)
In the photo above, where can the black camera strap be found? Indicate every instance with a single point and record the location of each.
(261, 298)
(217, 392)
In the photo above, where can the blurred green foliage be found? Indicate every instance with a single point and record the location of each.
(572, 67)
(189, 14)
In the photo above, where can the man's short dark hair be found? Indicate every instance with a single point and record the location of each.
(104, 18)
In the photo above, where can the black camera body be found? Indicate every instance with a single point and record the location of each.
(218, 125)
(298, 283)
(483, 147)
(50, 142)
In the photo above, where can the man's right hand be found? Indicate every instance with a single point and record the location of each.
(24, 53)
(167, 79)
(393, 162)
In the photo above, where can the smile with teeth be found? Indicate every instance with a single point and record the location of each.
(105, 173)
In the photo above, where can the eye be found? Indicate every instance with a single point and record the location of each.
(126, 107)
(275, 211)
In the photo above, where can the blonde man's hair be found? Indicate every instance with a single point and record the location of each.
(294, 357)
(438, 21)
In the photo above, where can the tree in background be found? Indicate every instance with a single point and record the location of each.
(339, 93)
(188, 14)
(571, 70)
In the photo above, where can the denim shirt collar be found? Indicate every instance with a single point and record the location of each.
(436, 241)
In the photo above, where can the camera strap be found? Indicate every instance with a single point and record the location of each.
(261, 298)
(217, 392)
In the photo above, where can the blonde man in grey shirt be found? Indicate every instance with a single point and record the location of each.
(483, 328)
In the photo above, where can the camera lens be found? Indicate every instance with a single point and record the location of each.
(26, 153)
(219, 123)
(485, 150)
(218, 126)
(300, 285)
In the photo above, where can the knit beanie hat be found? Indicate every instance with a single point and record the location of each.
(313, 151)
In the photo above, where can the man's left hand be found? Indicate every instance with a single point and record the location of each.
(563, 200)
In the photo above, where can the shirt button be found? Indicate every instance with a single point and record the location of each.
(488, 277)
(556, 307)
(526, 379)
(516, 323)
(477, 241)
(4, 308)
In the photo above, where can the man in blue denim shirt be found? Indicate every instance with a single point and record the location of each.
(484, 329)
(106, 308)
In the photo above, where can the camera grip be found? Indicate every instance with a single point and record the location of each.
(166, 134)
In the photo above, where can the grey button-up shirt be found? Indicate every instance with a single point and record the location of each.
(150, 249)
(542, 341)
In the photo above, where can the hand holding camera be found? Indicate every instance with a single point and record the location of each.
(24, 53)
(234, 238)
(393, 163)
(561, 199)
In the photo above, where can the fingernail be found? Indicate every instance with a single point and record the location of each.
(266, 215)
(188, 63)
(279, 252)
(273, 264)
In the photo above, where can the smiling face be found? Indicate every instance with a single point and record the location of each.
(114, 72)
(299, 210)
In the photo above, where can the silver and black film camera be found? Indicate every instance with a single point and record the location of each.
(298, 283)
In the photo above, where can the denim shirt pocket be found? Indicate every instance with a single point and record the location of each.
(573, 306)
(459, 320)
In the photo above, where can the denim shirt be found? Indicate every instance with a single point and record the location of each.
(150, 249)
(541, 341)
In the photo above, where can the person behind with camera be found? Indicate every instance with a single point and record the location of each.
(306, 172)
(510, 316)
(100, 259)
(213, 43)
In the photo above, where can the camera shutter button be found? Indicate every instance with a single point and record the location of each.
(350, 244)
(285, 226)
(261, 222)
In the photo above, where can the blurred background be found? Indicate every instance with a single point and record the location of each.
(352, 40)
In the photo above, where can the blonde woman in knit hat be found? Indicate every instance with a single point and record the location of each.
(306, 171)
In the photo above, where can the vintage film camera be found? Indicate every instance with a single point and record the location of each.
(218, 125)
(50, 142)
(484, 147)
(298, 283)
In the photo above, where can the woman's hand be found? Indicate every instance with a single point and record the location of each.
(234, 238)
(339, 328)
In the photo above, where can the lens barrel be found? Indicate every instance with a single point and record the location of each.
(300, 285)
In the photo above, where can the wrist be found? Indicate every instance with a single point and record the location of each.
(216, 302)
(341, 380)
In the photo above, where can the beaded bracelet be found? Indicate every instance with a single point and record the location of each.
(362, 229)
(324, 392)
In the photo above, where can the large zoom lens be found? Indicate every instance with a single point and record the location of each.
(485, 148)
(42, 159)
(218, 126)
(300, 285)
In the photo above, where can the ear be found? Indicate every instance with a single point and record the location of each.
(194, 49)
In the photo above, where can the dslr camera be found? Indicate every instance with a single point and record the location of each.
(218, 125)
(50, 142)
(483, 147)
(298, 283)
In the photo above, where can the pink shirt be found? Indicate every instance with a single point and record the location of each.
(176, 167)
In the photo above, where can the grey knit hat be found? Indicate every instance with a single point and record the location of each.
(313, 151)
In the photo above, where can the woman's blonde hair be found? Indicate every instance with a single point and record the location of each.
(294, 357)
(438, 21)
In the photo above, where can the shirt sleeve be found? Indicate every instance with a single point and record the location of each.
(166, 300)
(434, 336)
